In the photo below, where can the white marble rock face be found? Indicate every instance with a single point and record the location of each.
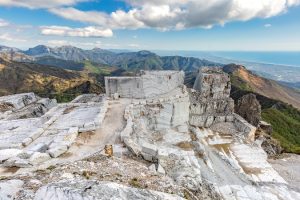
(148, 85)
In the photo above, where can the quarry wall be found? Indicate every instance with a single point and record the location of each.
(148, 85)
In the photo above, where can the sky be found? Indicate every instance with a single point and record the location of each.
(202, 25)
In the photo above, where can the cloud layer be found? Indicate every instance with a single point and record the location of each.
(179, 14)
(89, 31)
(34, 4)
(3, 23)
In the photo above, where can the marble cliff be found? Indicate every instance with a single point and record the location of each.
(168, 141)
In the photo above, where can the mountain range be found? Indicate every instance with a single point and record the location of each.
(127, 60)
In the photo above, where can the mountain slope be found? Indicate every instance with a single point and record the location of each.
(18, 77)
(266, 87)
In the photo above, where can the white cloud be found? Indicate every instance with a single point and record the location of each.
(116, 20)
(267, 25)
(85, 45)
(93, 17)
(134, 45)
(179, 14)
(3, 23)
(8, 38)
(34, 4)
(89, 31)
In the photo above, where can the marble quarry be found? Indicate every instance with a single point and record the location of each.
(147, 85)
(189, 139)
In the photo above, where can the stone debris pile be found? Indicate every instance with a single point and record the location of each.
(31, 141)
(27, 105)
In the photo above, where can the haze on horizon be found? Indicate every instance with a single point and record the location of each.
(223, 25)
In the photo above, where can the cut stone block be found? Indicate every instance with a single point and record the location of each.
(26, 141)
(149, 149)
(40, 147)
(147, 157)
(132, 146)
(57, 151)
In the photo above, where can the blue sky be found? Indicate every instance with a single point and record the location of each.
(256, 25)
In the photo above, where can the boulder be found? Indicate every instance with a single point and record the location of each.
(40, 147)
(249, 108)
(5, 154)
(38, 157)
(17, 162)
(152, 168)
(132, 146)
(161, 170)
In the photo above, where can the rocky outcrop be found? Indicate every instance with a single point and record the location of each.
(249, 108)
(97, 190)
(263, 137)
(210, 101)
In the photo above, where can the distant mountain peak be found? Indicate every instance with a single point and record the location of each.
(145, 53)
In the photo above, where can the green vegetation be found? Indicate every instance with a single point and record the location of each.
(238, 82)
(286, 126)
(284, 118)
(97, 68)
(135, 183)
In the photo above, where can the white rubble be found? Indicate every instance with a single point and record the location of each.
(5, 154)
(54, 132)
(9, 189)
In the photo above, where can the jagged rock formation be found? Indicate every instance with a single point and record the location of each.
(210, 101)
(249, 108)
(269, 144)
